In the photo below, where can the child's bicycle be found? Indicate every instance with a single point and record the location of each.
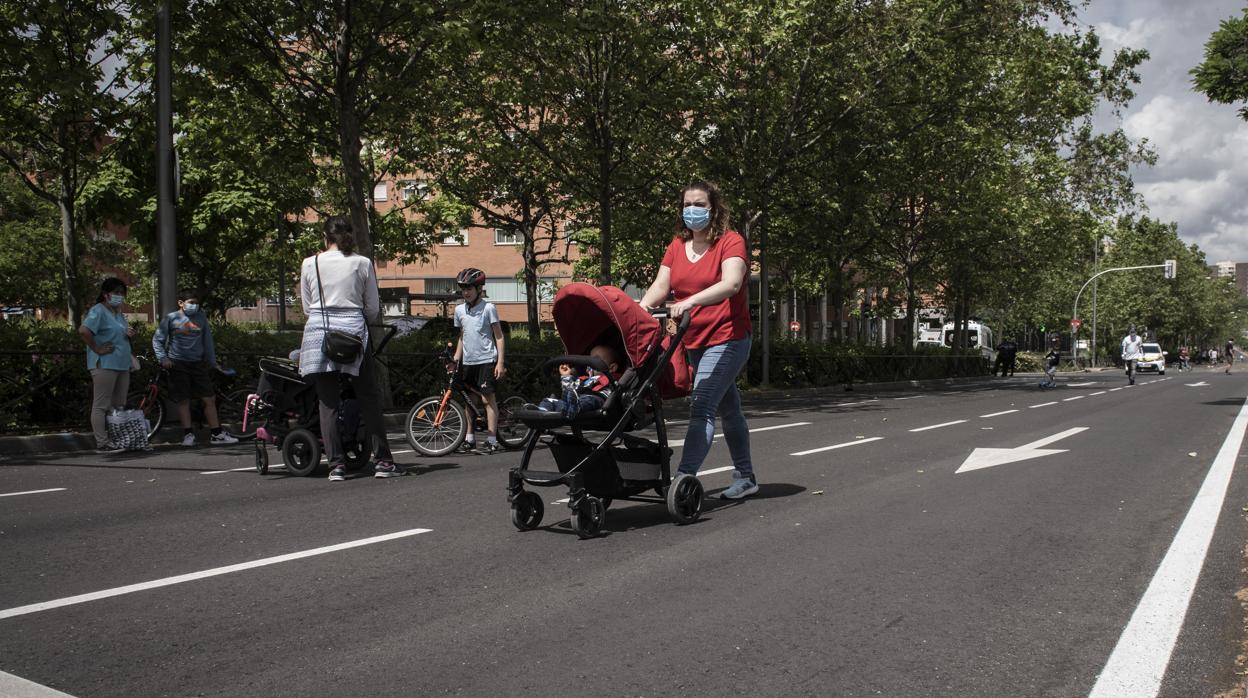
(438, 424)
(151, 399)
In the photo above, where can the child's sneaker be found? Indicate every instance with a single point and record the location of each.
(740, 487)
(188, 440)
(222, 438)
(384, 468)
(467, 447)
(338, 474)
(490, 447)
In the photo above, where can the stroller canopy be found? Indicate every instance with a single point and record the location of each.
(586, 315)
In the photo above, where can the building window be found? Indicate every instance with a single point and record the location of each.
(506, 237)
(415, 189)
(458, 239)
(379, 192)
(443, 287)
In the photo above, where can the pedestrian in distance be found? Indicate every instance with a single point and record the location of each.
(339, 293)
(1132, 351)
(1007, 353)
(705, 267)
(480, 352)
(1230, 355)
(1051, 361)
(183, 345)
(1185, 363)
(107, 333)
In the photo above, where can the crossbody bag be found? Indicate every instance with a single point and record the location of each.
(339, 347)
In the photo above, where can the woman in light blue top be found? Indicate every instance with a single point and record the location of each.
(107, 336)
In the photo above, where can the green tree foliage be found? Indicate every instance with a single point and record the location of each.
(59, 106)
(1223, 75)
(30, 234)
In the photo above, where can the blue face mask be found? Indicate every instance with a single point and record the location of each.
(696, 218)
(116, 299)
(190, 308)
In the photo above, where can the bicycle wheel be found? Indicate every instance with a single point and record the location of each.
(512, 432)
(230, 411)
(434, 430)
(147, 399)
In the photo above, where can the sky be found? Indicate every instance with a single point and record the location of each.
(1200, 180)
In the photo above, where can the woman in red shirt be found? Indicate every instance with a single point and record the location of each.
(705, 267)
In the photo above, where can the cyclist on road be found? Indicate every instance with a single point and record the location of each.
(183, 345)
(479, 351)
(1132, 351)
(1230, 354)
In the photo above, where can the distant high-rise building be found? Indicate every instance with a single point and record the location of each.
(1224, 270)
(1241, 277)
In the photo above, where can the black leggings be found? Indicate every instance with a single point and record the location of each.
(329, 397)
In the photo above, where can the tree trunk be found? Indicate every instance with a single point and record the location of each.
(604, 237)
(912, 299)
(69, 255)
(531, 292)
(349, 135)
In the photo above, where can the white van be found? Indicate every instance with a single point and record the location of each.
(977, 335)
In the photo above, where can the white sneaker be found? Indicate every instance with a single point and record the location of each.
(188, 440)
(222, 438)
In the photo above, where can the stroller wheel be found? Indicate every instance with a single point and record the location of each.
(684, 499)
(526, 511)
(302, 452)
(262, 458)
(588, 517)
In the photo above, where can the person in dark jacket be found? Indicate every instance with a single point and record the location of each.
(1007, 355)
(183, 345)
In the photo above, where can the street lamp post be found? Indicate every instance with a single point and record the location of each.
(165, 212)
(1168, 265)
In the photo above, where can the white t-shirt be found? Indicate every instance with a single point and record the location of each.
(1132, 348)
(348, 282)
(477, 323)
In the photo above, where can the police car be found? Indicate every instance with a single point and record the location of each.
(1153, 359)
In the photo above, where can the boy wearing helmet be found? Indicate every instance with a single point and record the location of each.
(479, 350)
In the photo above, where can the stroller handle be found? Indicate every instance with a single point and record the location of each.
(391, 330)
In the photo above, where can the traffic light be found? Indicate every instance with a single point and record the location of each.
(1170, 268)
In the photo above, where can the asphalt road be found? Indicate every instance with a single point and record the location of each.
(872, 568)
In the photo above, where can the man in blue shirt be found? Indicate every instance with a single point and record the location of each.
(183, 345)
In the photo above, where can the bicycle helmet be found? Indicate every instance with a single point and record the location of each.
(471, 277)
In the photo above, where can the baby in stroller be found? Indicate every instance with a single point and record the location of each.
(586, 393)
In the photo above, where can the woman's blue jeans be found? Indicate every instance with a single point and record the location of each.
(715, 390)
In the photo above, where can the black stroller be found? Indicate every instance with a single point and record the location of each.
(594, 453)
(285, 412)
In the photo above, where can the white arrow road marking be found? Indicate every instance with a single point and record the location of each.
(16, 686)
(988, 457)
(1196, 385)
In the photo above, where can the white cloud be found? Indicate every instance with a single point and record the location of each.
(1137, 34)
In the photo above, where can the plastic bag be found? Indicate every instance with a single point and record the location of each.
(127, 429)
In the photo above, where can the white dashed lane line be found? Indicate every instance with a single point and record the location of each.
(167, 581)
(855, 442)
(1077, 397)
(996, 414)
(1043, 404)
(15, 494)
(938, 426)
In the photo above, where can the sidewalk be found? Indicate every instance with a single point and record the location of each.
(70, 442)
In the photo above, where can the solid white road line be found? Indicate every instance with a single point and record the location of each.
(1077, 397)
(855, 442)
(1139, 660)
(16, 687)
(681, 442)
(937, 426)
(14, 494)
(996, 414)
(167, 581)
(1043, 404)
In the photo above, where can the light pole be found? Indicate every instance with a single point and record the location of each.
(166, 232)
(1168, 265)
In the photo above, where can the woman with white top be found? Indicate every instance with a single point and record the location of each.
(339, 292)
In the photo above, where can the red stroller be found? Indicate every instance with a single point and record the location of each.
(595, 454)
